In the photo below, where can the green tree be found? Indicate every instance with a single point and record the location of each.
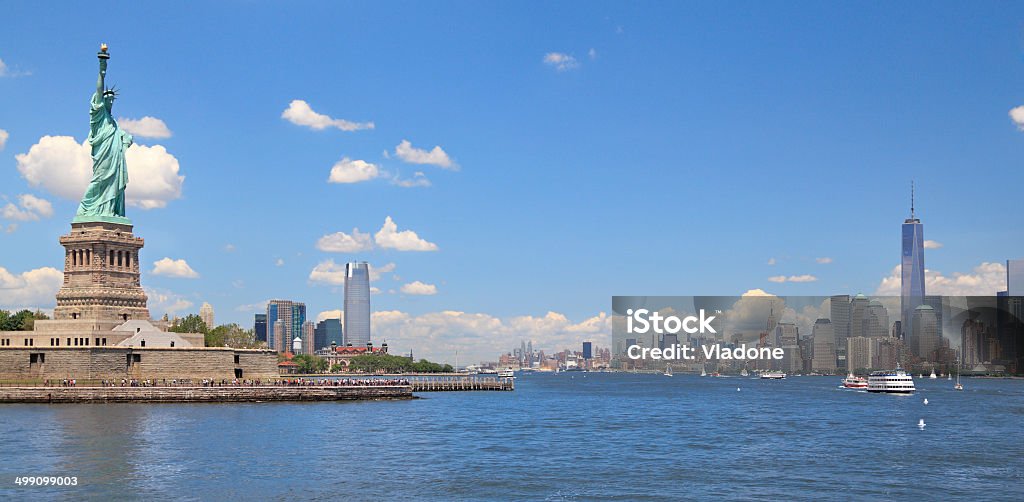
(310, 364)
(377, 363)
(190, 324)
(23, 320)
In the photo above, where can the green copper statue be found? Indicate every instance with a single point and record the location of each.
(104, 199)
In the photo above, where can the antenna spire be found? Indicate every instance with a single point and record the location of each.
(911, 199)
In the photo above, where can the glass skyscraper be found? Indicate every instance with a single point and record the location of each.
(260, 327)
(912, 269)
(357, 303)
(294, 316)
(328, 331)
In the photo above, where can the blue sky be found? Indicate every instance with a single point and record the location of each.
(681, 148)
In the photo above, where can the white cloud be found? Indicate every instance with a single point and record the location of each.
(418, 288)
(174, 268)
(561, 61)
(413, 155)
(6, 71)
(279, 262)
(229, 248)
(802, 278)
(340, 242)
(3, 138)
(147, 127)
(771, 261)
(985, 280)
(793, 278)
(347, 170)
(64, 168)
(479, 336)
(300, 113)
(329, 272)
(418, 180)
(390, 238)
(165, 302)
(592, 53)
(331, 314)
(932, 244)
(11, 228)
(35, 288)
(253, 307)
(32, 208)
(824, 260)
(1017, 116)
(374, 290)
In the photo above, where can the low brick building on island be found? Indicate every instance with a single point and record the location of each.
(342, 355)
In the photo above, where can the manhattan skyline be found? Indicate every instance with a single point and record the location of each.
(496, 185)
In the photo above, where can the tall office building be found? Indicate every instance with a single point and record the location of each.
(1015, 277)
(859, 352)
(912, 269)
(824, 344)
(787, 338)
(858, 310)
(924, 338)
(294, 316)
(876, 320)
(259, 327)
(587, 350)
(939, 305)
(357, 303)
(206, 314)
(279, 336)
(839, 315)
(327, 332)
(308, 335)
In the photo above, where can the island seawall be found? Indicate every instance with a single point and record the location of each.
(225, 394)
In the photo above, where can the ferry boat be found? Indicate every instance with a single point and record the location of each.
(855, 382)
(773, 375)
(507, 373)
(894, 381)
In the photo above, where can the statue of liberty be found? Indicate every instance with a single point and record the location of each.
(104, 199)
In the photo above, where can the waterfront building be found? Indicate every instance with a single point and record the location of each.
(824, 358)
(859, 352)
(912, 288)
(328, 332)
(924, 338)
(308, 337)
(259, 327)
(279, 335)
(294, 316)
(206, 314)
(357, 303)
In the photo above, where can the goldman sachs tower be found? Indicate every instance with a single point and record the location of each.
(912, 268)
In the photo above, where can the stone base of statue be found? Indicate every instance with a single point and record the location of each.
(101, 274)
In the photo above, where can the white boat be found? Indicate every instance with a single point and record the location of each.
(958, 386)
(507, 373)
(773, 375)
(894, 381)
(855, 382)
(488, 371)
(932, 376)
(703, 373)
(744, 372)
(668, 370)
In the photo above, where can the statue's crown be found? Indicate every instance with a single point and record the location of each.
(110, 92)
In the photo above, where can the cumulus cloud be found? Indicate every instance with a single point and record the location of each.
(480, 336)
(1017, 116)
(329, 272)
(771, 261)
(31, 209)
(279, 262)
(147, 127)
(3, 138)
(932, 244)
(300, 113)
(64, 167)
(390, 238)
(437, 156)
(347, 170)
(6, 71)
(35, 288)
(824, 260)
(561, 61)
(253, 307)
(418, 288)
(340, 242)
(984, 280)
(174, 268)
(418, 180)
(793, 278)
(163, 302)
(331, 314)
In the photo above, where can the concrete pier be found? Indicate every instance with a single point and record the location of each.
(228, 394)
(461, 384)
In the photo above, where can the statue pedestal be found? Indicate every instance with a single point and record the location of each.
(101, 273)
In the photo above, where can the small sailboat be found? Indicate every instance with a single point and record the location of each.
(958, 385)
(932, 376)
(926, 401)
(744, 372)
(949, 376)
(668, 370)
(920, 424)
(702, 372)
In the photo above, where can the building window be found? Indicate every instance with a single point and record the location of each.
(237, 358)
(38, 358)
(104, 341)
(172, 344)
(143, 343)
(97, 342)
